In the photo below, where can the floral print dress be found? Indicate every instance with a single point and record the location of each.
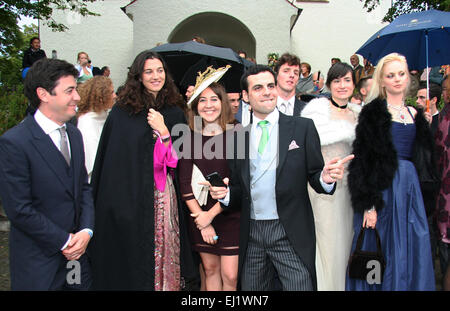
(442, 140)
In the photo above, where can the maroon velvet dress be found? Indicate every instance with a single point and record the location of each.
(226, 224)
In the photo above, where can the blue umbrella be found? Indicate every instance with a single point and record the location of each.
(422, 37)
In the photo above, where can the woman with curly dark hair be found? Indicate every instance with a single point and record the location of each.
(140, 235)
(149, 88)
(97, 98)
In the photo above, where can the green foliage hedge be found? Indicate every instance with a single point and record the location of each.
(13, 105)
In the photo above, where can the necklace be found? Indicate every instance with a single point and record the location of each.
(336, 105)
(400, 113)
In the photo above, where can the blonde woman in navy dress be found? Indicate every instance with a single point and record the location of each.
(384, 184)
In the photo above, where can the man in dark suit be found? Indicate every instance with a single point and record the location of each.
(277, 224)
(244, 114)
(357, 68)
(33, 53)
(44, 186)
(434, 96)
(30, 56)
(288, 74)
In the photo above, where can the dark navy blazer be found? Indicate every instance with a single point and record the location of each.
(44, 199)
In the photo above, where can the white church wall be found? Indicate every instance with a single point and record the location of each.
(324, 30)
(108, 39)
(334, 29)
(268, 20)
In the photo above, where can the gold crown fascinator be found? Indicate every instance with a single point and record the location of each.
(204, 79)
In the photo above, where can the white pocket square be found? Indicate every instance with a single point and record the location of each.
(293, 145)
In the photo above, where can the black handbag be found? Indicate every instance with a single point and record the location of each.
(360, 265)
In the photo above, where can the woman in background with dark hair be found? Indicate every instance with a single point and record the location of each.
(140, 236)
(335, 121)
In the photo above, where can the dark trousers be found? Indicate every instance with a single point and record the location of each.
(65, 274)
(268, 250)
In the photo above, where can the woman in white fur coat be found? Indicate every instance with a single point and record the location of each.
(335, 120)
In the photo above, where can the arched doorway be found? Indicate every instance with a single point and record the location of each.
(217, 29)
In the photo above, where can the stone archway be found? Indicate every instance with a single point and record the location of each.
(217, 29)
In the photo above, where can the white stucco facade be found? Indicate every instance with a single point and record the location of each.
(108, 39)
(155, 20)
(324, 29)
(336, 28)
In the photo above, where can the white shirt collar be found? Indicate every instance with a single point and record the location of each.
(281, 100)
(271, 117)
(45, 123)
(290, 108)
(303, 77)
(256, 131)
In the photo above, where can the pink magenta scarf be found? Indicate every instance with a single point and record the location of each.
(163, 157)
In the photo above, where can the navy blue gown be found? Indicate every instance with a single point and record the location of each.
(402, 226)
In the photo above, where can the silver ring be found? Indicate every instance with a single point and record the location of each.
(216, 237)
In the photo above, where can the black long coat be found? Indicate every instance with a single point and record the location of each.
(122, 249)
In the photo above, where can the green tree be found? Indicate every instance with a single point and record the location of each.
(11, 61)
(12, 100)
(407, 6)
(11, 10)
(13, 41)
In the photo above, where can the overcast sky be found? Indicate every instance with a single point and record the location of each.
(27, 21)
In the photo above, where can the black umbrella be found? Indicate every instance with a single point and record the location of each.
(186, 59)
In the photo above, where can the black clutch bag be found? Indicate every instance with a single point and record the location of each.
(361, 263)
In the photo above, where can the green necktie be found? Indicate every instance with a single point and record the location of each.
(264, 136)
